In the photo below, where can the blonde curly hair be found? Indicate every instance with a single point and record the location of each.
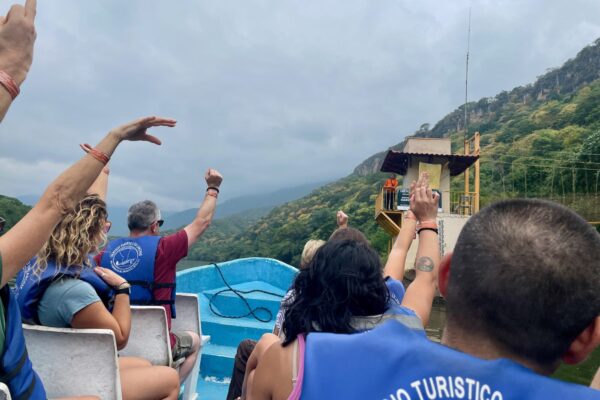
(80, 232)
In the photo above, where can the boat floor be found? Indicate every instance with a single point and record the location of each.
(227, 333)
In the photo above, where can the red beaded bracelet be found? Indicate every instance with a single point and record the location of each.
(9, 84)
(97, 154)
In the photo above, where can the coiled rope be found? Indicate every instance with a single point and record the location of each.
(240, 294)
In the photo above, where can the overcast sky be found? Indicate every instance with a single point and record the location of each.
(272, 93)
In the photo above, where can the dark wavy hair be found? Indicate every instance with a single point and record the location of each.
(342, 281)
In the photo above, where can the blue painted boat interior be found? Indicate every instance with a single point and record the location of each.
(245, 274)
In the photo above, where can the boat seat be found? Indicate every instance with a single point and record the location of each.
(74, 362)
(149, 336)
(4, 393)
(188, 319)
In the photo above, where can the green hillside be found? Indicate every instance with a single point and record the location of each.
(539, 140)
(283, 232)
(12, 210)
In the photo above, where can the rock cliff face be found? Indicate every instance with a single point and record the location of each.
(370, 166)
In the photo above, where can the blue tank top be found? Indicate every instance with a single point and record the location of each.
(392, 362)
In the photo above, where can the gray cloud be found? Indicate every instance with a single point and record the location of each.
(272, 93)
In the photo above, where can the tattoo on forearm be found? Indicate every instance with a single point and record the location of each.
(424, 264)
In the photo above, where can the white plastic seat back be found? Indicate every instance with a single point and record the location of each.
(75, 362)
(4, 393)
(188, 319)
(149, 336)
(188, 314)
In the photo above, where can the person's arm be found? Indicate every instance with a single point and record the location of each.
(100, 185)
(394, 267)
(273, 374)
(207, 209)
(17, 36)
(596, 381)
(421, 292)
(24, 240)
(96, 316)
(262, 346)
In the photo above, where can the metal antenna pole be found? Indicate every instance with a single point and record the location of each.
(467, 77)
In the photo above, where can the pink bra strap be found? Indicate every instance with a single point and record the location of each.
(297, 390)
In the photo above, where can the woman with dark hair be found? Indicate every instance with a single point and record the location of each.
(343, 290)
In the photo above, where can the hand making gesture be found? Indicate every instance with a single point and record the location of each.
(423, 201)
(17, 35)
(136, 130)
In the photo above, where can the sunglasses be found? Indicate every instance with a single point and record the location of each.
(160, 222)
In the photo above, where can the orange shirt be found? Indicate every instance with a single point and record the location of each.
(391, 183)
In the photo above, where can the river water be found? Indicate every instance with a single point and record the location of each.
(581, 373)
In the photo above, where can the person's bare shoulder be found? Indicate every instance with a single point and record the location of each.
(273, 375)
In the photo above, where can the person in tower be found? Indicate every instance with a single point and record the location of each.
(389, 189)
(522, 297)
(149, 262)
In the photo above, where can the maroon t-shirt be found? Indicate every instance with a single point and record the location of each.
(170, 250)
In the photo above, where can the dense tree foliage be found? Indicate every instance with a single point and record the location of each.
(12, 210)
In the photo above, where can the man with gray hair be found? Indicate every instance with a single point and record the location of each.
(149, 262)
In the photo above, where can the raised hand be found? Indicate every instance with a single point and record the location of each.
(17, 36)
(136, 130)
(111, 278)
(342, 219)
(424, 202)
(213, 178)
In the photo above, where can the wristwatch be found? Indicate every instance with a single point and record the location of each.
(123, 288)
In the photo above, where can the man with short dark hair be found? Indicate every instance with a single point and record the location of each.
(149, 262)
(522, 291)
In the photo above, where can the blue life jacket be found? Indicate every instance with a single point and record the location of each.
(16, 370)
(392, 362)
(134, 259)
(396, 289)
(29, 289)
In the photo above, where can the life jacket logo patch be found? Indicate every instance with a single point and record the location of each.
(125, 257)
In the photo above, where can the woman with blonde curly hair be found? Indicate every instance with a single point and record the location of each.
(61, 288)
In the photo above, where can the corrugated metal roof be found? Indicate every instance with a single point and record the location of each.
(398, 162)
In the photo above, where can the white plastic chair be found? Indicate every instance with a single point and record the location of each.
(188, 319)
(75, 362)
(149, 336)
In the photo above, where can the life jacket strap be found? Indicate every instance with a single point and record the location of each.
(30, 388)
(7, 377)
(152, 285)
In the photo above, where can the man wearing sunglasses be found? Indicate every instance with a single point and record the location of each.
(149, 262)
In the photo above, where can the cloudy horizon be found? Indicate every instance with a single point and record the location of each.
(274, 94)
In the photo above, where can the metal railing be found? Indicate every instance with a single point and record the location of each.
(460, 203)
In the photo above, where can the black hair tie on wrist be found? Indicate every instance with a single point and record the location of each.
(216, 189)
(428, 229)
